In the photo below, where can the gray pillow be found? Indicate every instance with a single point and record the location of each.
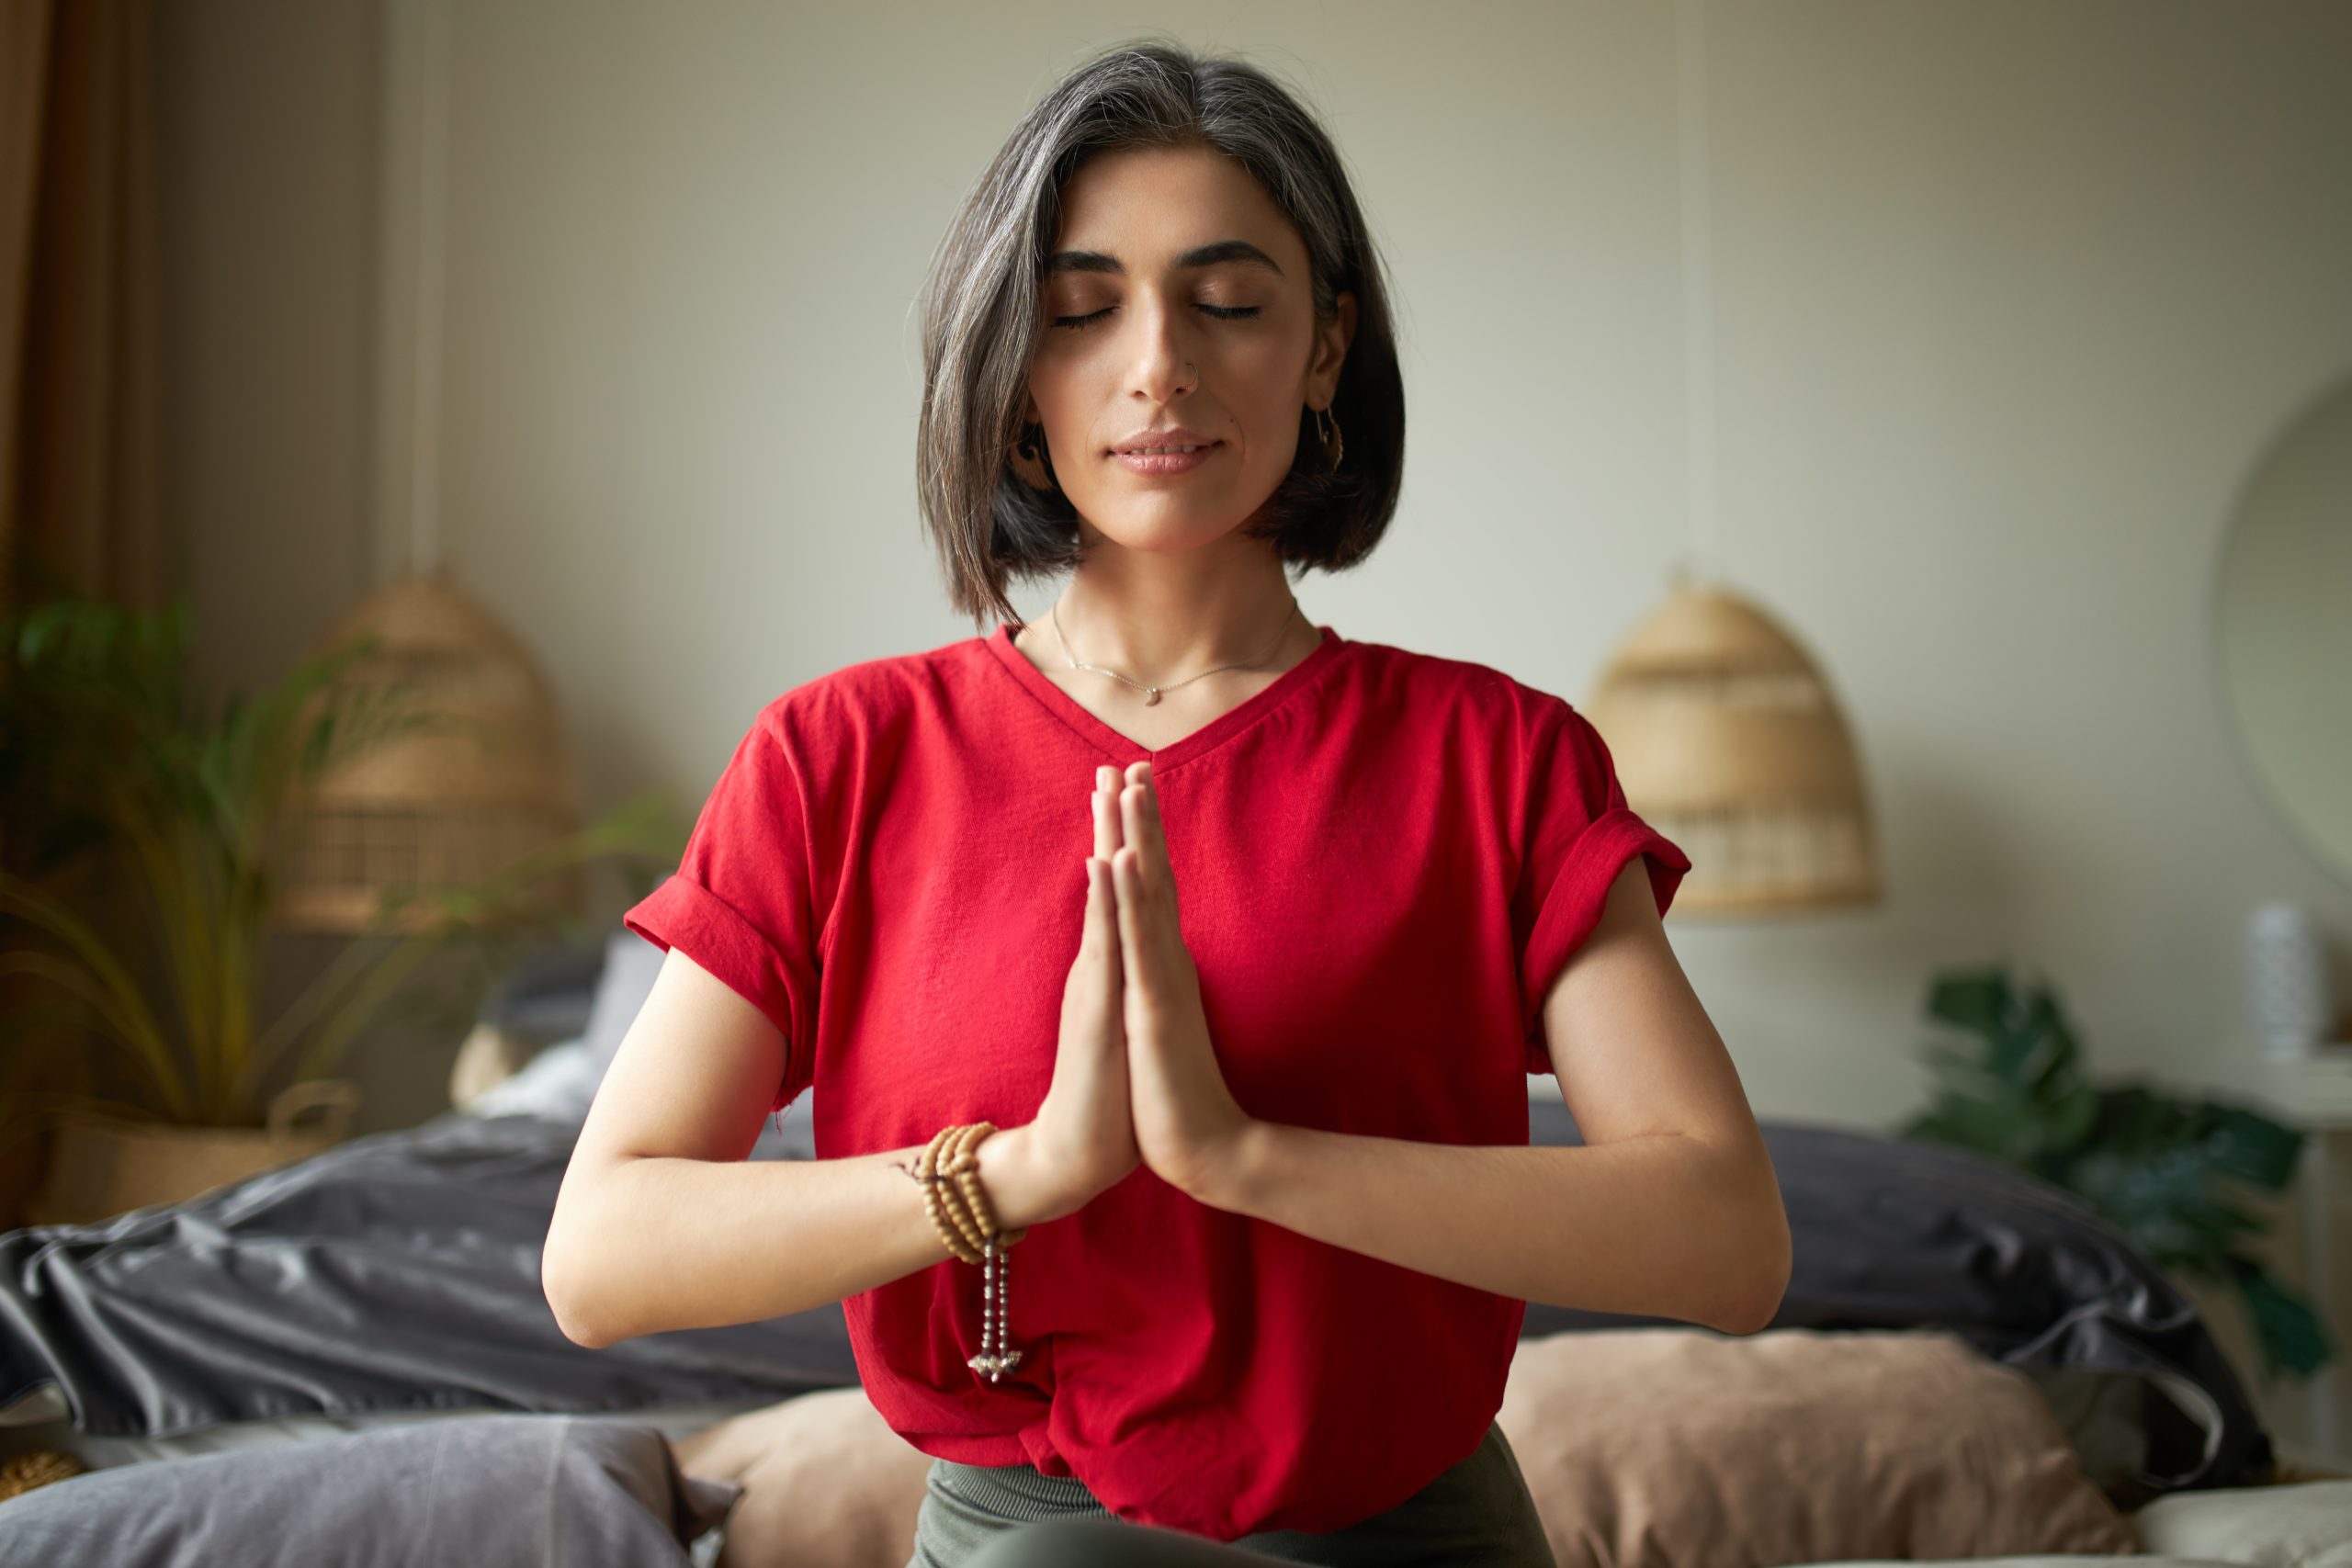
(544, 996)
(488, 1491)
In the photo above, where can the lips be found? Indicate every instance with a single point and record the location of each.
(1163, 465)
(1173, 438)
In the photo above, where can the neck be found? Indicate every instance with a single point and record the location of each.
(1160, 618)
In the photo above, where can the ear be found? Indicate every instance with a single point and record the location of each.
(1332, 340)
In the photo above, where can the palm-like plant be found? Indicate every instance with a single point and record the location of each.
(111, 764)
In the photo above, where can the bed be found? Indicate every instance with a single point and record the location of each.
(384, 1296)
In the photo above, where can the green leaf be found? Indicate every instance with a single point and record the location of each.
(1960, 1068)
(2072, 1116)
(2255, 1149)
(1980, 1124)
(1977, 1000)
(2288, 1330)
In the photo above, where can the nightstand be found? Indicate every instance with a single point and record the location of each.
(2312, 1094)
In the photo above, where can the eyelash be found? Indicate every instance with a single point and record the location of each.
(1222, 312)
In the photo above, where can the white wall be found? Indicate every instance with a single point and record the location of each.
(2009, 298)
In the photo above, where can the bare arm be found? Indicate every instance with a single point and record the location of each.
(662, 1223)
(1670, 1207)
(1648, 1224)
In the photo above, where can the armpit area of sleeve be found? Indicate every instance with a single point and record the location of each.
(1572, 907)
(685, 915)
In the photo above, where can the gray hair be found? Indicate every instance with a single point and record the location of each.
(981, 304)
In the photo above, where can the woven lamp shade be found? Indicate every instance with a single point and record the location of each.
(1727, 739)
(442, 808)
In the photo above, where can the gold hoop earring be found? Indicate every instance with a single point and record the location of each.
(1329, 436)
(1031, 463)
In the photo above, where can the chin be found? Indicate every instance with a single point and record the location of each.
(1167, 528)
(1169, 523)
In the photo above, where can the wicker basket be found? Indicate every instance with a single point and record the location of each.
(436, 809)
(102, 1166)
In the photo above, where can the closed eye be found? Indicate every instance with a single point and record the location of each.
(1222, 312)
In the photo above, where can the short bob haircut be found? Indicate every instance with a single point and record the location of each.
(980, 321)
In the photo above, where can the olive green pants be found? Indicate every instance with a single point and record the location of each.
(1479, 1513)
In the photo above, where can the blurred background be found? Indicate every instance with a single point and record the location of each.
(1992, 349)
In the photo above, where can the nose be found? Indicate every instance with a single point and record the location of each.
(1163, 358)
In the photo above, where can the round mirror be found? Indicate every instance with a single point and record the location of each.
(2282, 629)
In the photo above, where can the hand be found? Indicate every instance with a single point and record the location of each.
(1187, 1126)
(1084, 1132)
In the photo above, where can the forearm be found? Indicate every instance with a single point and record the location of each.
(647, 1245)
(1664, 1226)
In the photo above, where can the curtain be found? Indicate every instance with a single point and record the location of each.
(78, 441)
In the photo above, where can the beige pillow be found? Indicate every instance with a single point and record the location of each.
(1675, 1446)
(1645, 1447)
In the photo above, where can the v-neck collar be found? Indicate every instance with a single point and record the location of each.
(1216, 731)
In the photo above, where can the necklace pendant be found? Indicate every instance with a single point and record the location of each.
(1151, 696)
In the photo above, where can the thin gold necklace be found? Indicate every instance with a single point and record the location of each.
(1152, 693)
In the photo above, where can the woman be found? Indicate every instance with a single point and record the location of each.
(1261, 1176)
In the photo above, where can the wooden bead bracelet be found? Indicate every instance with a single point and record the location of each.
(949, 1169)
(954, 1197)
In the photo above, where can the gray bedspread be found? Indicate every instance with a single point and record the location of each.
(402, 1272)
(394, 1272)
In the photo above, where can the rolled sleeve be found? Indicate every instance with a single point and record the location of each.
(740, 904)
(1584, 835)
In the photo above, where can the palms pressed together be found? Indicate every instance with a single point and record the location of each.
(1182, 1118)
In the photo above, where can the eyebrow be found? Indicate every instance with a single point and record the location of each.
(1203, 255)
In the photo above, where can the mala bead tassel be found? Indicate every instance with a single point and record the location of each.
(996, 1356)
(959, 1208)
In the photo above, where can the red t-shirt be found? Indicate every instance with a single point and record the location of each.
(1381, 862)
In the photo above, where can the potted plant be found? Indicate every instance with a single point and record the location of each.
(2153, 1165)
(136, 892)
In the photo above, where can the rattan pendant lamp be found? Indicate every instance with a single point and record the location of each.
(492, 781)
(1727, 733)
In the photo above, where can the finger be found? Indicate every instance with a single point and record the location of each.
(1098, 904)
(1101, 912)
(1134, 914)
(1142, 826)
(1134, 809)
(1155, 831)
(1107, 836)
